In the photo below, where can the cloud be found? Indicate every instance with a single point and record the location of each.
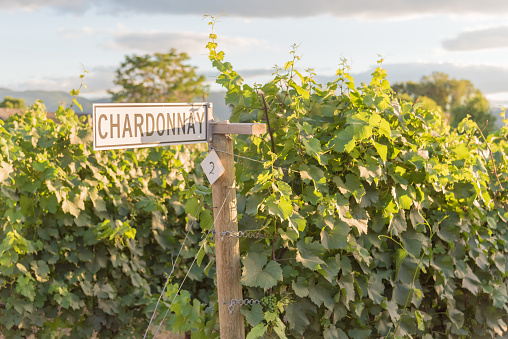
(373, 9)
(75, 6)
(72, 33)
(189, 42)
(98, 80)
(493, 37)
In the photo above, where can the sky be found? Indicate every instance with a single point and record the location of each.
(46, 45)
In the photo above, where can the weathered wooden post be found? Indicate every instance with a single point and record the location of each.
(227, 248)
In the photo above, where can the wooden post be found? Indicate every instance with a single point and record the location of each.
(227, 250)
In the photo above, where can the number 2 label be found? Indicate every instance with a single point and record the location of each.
(212, 166)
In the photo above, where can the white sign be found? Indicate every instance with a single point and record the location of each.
(212, 166)
(117, 126)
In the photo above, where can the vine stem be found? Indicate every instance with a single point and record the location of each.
(270, 131)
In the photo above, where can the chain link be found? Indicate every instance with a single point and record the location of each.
(242, 234)
(241, 302)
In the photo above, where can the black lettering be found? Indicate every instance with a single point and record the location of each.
(200, 119)
(191, 124)
(181, 123)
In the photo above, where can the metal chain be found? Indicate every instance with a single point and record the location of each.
(242, 234)
(240, 302)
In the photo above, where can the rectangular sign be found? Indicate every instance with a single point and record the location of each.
(126, 125)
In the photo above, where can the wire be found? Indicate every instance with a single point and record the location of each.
(251, 159)
(173, 266)
(188, 271)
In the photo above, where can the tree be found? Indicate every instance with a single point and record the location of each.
(456, 98)
(478, 108)
(158, 78)
(10, 102)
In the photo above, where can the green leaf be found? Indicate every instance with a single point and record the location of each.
(315, 174)
(331, 268)
(332, 332)
(456, 316)
(206, 219)
(257, 331)
(322, 293)
(346, 283)
(253, 203)
(297, 222)
(25, 286)
(284, 188)
(335, 238)
(298, 314)
(362, 132)
(414, 242)
(191, 206)
(461, 151)
(471, 281)
(310, 253)
(70, 207)
(304, 93)
(256, 274)
(49, 203)
(344, 140)
(384, 128)
(444, 263)
(254, 315)
(286, 207)
(375, 289)
(77, 104)
(416, 218)
(399, 255)
(40, 268)
(500, 261)
(301, 287)
(354, 185)
(312, 147)
(398, 223)
(382, 150)
(359, 334)
(280, 328)
(200, 256)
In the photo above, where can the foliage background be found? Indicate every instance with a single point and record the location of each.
(87, 237)
(380, 220)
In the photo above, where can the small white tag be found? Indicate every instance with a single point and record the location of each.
(212, 166)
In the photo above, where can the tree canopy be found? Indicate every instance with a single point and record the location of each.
(10, 102)
(161, 77)
(455, 98)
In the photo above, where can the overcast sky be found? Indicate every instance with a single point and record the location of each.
(46, 44)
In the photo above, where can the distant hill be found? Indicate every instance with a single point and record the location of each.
(53, 99)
